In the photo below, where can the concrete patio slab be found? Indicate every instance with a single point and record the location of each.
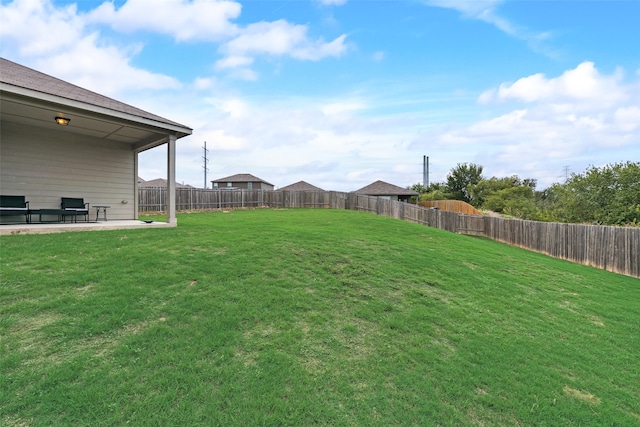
(14, 229)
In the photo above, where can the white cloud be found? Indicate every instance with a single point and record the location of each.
(79, 53)
(378, 56)
(583, 83)
(27, 27)
(245, 74)
(281, 38)
(628, 118)
(486, 11)
(234, 108)
(219, 140)
(74, 54)
(233, 62)
(567, 118)
(332, 2)
(544, 122)
(342, 107)
(474, 9)
(346, 143)
(208, 20)
(94, 68)
(204, 83)
(277, 39)
(290, 139)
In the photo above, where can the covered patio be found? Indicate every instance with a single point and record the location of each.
(58, 141)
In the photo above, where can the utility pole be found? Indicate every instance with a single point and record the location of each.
(206, 160)
(567, 169)
(425, 171)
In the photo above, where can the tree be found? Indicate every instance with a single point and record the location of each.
(436, 192)
(419, 188)
(518, 201)
(460, 178)
(607, 195)
(497, 193)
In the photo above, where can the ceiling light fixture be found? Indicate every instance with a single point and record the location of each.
(62, 121)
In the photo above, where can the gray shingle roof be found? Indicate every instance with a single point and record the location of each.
(301, 186)
(242, 177)
(381, 188)
(158, 182)
(27, 78)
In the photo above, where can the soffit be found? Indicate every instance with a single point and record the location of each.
(30, 112)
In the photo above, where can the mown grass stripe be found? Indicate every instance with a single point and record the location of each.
(303, 317)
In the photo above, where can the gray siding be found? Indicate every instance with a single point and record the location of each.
(45, 166)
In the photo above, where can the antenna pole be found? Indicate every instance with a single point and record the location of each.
(206, 160)
(425, 171)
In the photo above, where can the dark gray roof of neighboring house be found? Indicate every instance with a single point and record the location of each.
(241, 177)
(381, 188)
(301, 186)
(158, 182)
(27, 78)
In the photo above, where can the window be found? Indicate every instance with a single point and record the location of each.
(249, 185)
(229, 184)
(215, 185)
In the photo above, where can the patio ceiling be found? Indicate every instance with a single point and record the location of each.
(141, 134)
(29, 97)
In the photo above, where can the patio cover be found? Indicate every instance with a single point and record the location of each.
(32, 98)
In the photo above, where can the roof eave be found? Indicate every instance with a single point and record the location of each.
(172, 128)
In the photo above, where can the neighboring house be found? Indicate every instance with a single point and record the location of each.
(301, 186)
(158, 182)
(60, 140)
(387, 191)
(243, 181)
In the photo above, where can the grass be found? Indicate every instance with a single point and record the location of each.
(309, 317)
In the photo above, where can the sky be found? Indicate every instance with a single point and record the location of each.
(342, 93)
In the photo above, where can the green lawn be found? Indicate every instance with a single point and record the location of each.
(309, 317)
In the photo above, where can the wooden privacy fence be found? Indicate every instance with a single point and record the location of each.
(457, 206)
(615, 249)
(306, 199)
(154, 199)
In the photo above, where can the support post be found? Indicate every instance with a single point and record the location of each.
(171, 180)
(136, 193)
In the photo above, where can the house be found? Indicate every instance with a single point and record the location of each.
(242, 181)
(300, 186)
(387, 191)
(158, 182)
(60, 140)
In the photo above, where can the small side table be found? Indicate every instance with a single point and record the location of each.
(102, 208)
(61, 215)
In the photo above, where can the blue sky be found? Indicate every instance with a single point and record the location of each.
(341, 93)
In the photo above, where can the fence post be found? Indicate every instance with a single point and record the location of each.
(354, 201)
